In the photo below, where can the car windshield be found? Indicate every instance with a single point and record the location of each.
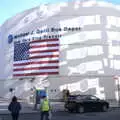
(76, 97)
(89, 97)
(82, 97)
(93, 98)
(72, 97)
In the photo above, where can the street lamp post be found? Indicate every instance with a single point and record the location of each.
(118, 89)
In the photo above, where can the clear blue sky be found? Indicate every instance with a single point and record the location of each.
(9, 8)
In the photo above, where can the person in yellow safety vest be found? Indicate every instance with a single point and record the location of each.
(45, 108)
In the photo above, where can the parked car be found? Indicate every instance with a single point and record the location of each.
(83, 103)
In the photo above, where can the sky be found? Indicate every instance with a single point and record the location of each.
(9, 8)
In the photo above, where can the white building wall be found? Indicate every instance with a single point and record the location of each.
(88, 58)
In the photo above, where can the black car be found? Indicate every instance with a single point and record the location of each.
(83, 103)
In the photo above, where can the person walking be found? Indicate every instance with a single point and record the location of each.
(14, 107)
(45, 108)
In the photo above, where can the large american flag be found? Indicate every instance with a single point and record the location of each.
(37, 57)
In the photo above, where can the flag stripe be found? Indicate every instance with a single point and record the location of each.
(45, 40)
(37, 62)
(46, 45)
(42, 51)
(45, 56)
(37, 71)
(35, 74)
(36, 68)
(36, 65)
(43, 43)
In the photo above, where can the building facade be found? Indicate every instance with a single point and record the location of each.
(85, 50)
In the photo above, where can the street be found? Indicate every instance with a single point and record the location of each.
(112, 114)
(28, 113)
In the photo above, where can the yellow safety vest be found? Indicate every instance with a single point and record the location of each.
(45, 105)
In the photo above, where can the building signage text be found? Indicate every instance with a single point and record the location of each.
(53, 29)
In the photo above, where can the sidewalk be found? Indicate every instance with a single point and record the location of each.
(29, 108)
(114, 104)
(56, 106)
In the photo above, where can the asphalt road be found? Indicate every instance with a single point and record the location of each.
(113, 114)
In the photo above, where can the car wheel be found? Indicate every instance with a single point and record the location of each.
(104, 108)
(81, 109)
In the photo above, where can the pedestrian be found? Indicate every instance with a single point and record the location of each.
(45, 108)
(14, 107)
